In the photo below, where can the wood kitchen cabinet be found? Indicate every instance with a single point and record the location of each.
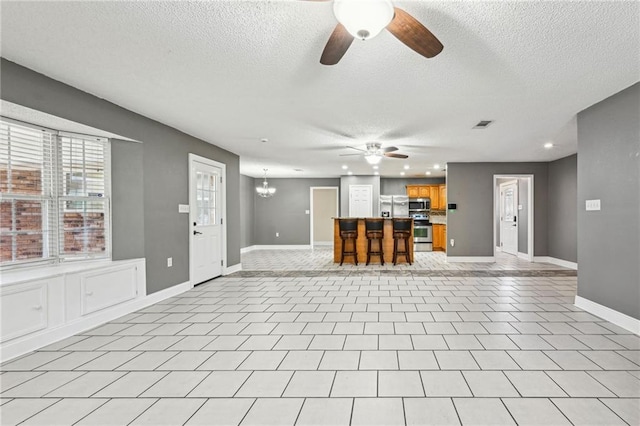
(434, 194)
(442, 190)
(439, 237)
(424, 191)
(413, 191)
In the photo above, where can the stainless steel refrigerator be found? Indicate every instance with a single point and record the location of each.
(400, 206)
(394, 206)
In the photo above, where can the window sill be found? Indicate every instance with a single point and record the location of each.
(38, 272)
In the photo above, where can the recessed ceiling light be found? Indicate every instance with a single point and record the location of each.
(406, 167)
(401, 173)
(436, 166)
(427, 173)
(345, 167)
(349, 173)
(376, 173)
(297, 170)
(375, 167)
(548, 145)
(264, 140)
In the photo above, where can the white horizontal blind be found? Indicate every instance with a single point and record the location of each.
(54, 195)
(83, 201)
(27, 213)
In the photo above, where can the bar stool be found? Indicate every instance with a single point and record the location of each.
(349, 232)
(401, 231)
(374, 230)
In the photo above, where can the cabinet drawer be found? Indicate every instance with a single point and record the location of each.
(24, 310)
(107, 288)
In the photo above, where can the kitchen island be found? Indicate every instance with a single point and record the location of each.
(361, 244)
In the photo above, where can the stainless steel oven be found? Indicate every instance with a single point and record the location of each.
(422, 235)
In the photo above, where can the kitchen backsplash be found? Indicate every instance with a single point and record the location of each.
(438, 216)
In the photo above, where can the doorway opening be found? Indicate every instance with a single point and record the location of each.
(324, 206)
(207, 219)
(513, 215)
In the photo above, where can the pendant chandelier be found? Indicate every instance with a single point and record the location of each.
(264, 190)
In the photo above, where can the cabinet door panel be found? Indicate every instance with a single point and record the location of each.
(24, 310)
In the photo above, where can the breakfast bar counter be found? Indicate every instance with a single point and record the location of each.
(361, 243)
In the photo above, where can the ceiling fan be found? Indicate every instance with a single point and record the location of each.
(374, 152)
(365, 19)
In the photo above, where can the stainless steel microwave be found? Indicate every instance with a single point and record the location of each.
(420, 204)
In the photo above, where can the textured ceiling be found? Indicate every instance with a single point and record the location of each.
(233, 72)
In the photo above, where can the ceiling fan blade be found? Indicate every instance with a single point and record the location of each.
(389, 149)
(338, 43)
(408, 30)
(357, 149)
(391, 155)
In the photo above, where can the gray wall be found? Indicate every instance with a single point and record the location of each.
(397, 186)
(345, 181)
(470, 186)
(247, 208)
(609, 170)
(562, 213)
(523, 216)
(127, 200)
(164, 164)
(285, 211)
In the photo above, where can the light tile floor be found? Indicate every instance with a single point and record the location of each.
(338, 350)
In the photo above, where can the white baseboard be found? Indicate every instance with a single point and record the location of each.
(247, 249)
(279, 247)
(231, 269)
(523, 256)
(613, 316)
(46, 337)
(556, 261)
(498, 249)
(470, 259)
(323, 243)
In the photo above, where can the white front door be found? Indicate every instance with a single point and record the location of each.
(509, 217)
(206, 220)
(360, 200)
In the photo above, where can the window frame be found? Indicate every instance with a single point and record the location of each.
(56, 200)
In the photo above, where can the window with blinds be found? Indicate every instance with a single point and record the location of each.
(54, 200)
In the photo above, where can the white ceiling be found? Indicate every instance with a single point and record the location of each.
(234, 72)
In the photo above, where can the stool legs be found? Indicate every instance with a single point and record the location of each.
(380, 251)
(353, 253)
(405, 253)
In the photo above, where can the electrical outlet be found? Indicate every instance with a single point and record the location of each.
(592, 205)
(277, 234)
(169, 262)
(453, 242)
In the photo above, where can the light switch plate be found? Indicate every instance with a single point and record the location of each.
(519, 206)
(306, 212)
(183, 208)
(592, 205)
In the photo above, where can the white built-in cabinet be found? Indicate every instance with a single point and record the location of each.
(39, 306)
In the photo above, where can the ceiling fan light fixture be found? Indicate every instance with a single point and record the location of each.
(363, 19)
(373, 158)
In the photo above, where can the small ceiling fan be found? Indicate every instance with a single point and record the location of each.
(365, 19)
(374, 152)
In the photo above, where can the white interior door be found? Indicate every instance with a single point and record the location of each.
(360, 200)
(509, 217)
(206, 220)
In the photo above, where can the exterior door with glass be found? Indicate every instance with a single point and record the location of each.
(509, 217)
(206, 220)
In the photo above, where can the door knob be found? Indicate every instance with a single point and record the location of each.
(196, 232)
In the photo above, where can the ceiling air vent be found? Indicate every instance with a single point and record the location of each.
(483, 124)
